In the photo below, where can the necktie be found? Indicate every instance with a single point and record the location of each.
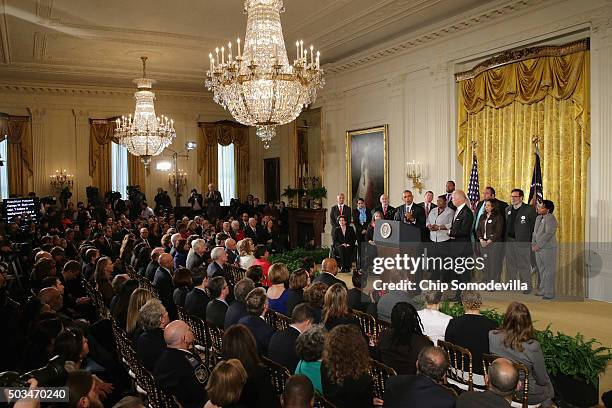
(426, 210)
(340, 209)
(385, 211)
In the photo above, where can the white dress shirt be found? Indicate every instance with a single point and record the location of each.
(434, 324)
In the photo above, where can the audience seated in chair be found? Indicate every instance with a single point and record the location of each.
(217, 307)
(298, 393)
(434, 322)
(237, 310)
(502, 381)
(183, 282)
(256, 307)
(281, 348)
(309, 349)
(298, 281)
(152, 318)
(335, 308)
(277, 293)
(329, 270)
(225, 384)
(422, 390)
(198, 297)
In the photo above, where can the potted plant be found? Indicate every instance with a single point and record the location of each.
(317, 194)
(290, 193)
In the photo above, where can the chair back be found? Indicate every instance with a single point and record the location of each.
(521, 396)
(97, 300)
(143, 282)
(278, 375)
(322, 402)
(233, 274)
(380, 373)
(382, 326)
(461, 365)
(368, 325)
(277, 321)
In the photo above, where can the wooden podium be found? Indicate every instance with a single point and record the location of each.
(306, 225)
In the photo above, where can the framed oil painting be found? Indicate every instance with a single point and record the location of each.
(367, 164)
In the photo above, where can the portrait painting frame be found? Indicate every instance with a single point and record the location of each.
(367, 164)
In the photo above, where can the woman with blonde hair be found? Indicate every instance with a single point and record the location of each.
(516, 341)
(225, 384)
(137, 300)
(103, 276)
(246, 249)
(335, 308)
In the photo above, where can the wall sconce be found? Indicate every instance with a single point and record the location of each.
(61, 179)
(415, 172)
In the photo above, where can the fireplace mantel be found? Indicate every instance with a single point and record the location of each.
(298, 216)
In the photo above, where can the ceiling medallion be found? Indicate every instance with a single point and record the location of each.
(258, 85)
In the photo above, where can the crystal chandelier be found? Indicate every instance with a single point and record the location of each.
(145, 134)
(258, 86)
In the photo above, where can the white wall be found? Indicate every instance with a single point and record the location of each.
(412, 89)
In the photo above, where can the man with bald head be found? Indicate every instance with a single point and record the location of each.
(502, 382)
(154, 263)
(163, 283)
(329, 269)
(179, 371)
(51, 297)
(298, 392)
(385, 209)
(460, 235)
(422, 389)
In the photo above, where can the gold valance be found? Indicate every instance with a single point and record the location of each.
(17, 130)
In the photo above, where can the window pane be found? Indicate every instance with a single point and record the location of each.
(227, 173)
(4, 193)
(119, 169)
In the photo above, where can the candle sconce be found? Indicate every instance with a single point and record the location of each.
(415, 172)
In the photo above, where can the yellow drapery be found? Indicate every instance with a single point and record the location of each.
(136, 172)
(19, 152)
(223, 133)
(503, 108)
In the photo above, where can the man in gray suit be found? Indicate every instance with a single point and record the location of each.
(544, 245)
(520, 220)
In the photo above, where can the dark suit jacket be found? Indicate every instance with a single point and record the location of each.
(501, 208)
(151, 269)
(215, 313)
(462, 225)
(419, 218)
(475, 399)
(196, 302)
(149, 346)
(214, 269)
(390, 212)
(232, 256)
(257, 236)
(347, 238)
(359, 227)
(281, 348)
(235, 312)
(416, 391)
(431, 207)
(523, 227)
(328, 279)
(261, 330)
(494, 227)
(351, 394)
(334, 213)
(175, 373)
(165, 288)
(294, 298)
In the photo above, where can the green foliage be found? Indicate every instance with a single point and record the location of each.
(293, 258)
(563, 354)
(290, 192)
(317, 192)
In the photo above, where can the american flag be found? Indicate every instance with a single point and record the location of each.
(473, 188)
(536, 192)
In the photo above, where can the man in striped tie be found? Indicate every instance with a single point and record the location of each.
(339, 209)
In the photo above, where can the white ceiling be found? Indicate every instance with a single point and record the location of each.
(99, 42)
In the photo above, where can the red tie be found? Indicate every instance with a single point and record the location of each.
(340, 209)
(385, 211)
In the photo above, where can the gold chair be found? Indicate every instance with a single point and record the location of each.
(277, 321)
(322, 402)
(380, 373)
(368, 325)
(460, 372)
(521, 397)
(278, 375)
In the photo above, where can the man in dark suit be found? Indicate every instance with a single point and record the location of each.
(428, 204)
(339, 209)
(254, 231)
(282, 344)
(233, 256)
(329, 269)
(411, 213)
(198, 298)
(213, 200)
(450, 189)
(150, 344)
(180, 372)
(256, 307)
(487, 194)
(153, 264)
(384, 208)
(502, 382)
(216, 308)
(460, 234)
(423, 389)
(237, 310)
(196, 201)
(520, 221)
(163, 283)
(219, 258)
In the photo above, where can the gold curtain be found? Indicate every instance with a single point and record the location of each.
(136, 172)
(503, 108)
(18, 130)
(101, 136)
(223, 133)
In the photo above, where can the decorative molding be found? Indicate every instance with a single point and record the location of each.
(5, 52)
(40, 46)
(44, 9)
(67, 90)
(511, 56)
(453, 27)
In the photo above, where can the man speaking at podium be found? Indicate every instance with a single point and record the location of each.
(411, 213)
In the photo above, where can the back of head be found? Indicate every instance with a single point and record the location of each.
(278, 273)
(315, 293)
(79, 383)
(256, 301)
(242, 289)
(346, 353)
(405, 322)
(433, 363)
(471, 300)
(329, 265)
(298, 393)
(517, 326)
(302, 313)
(239, 343)
(129, 402)
(175, 333)
(309, 345)
(216, 285)
(433, 297)
(225, 383)
(150, 314)
(298, 279)
(503, 377)
(335, 302)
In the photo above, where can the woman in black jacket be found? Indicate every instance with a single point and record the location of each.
(344, 242)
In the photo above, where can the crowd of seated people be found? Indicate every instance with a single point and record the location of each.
(49, 311)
